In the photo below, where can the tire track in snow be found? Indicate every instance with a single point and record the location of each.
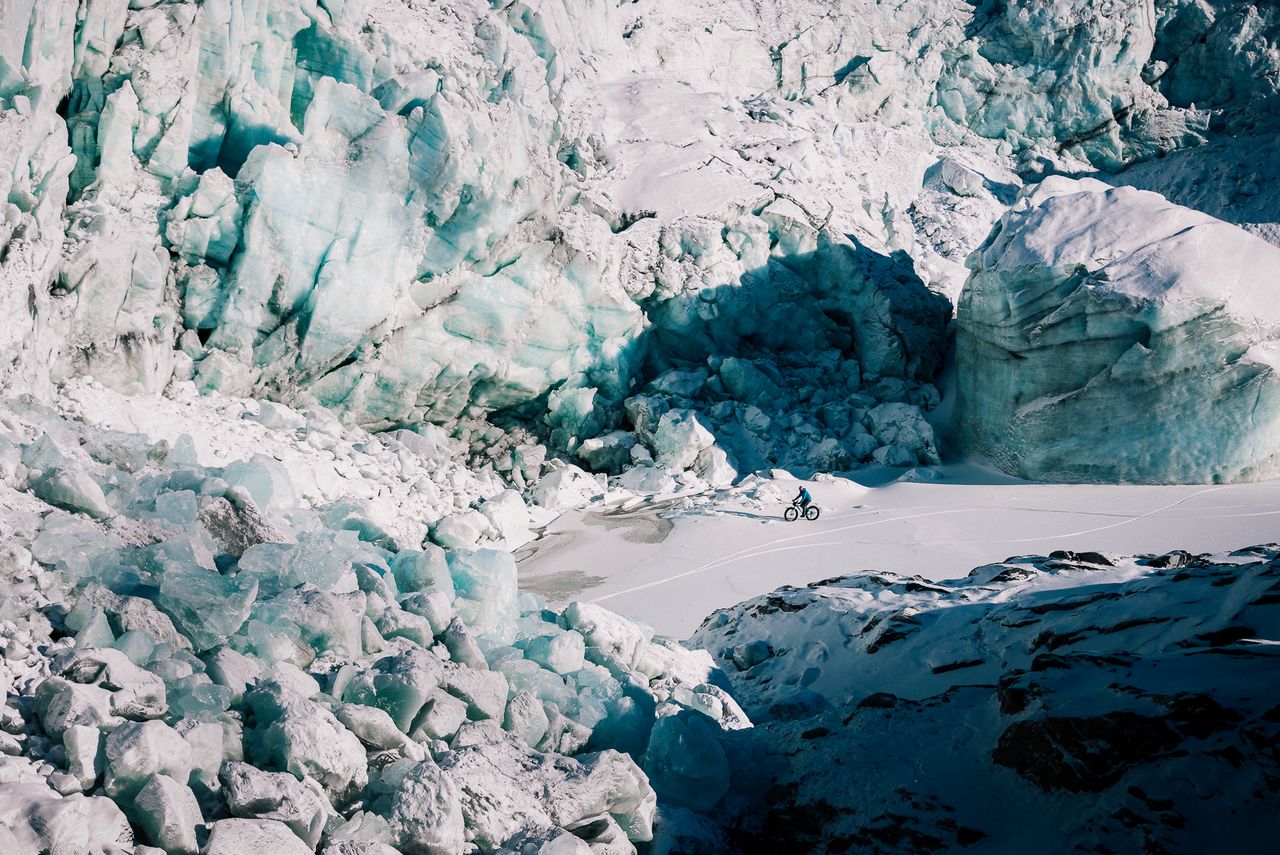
(777, 546)
(1126, 521)
(774, 546)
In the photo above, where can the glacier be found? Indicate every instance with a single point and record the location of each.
(312, 311)
(493, 213)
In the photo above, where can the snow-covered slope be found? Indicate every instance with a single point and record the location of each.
(1106, 702)
(1109, 335)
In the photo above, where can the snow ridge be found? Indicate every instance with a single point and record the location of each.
(1111, 699)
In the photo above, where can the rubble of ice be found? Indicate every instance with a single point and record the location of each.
(202, 654)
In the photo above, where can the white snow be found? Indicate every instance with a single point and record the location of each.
(669, 564)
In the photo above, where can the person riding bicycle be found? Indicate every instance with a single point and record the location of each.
(803, 498)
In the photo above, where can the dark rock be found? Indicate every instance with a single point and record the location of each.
(1085, 754)
(879, 700)
(1085, 557)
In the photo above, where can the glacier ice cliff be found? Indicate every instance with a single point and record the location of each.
(1107, 334)
(413, 213)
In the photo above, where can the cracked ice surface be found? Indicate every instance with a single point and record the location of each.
(417, 213)
(1109, 335)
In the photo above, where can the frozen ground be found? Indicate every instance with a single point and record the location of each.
(671, 563)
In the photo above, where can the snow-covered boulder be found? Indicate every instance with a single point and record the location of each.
(566, 489)
(509, 517)
(168, 812)
(137, 751)
(34, 818)
(1106, 334)
(238, 836)
(251, 793)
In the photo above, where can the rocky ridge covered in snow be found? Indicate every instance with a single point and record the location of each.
(1110, 702)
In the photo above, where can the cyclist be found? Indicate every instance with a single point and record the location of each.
(803, 499)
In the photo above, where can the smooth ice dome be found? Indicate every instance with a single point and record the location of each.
(1106, 334)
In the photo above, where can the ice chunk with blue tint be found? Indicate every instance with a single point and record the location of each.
(179, 507)
(301, 736)
(426, 569)
(628, 721)
(70, 488)
(327, 623)
(197, 697)
(44, 453)
(137, 750)
(400, 684)
(487, 589)
(267, 481)
(207, 606)
(526, 718)
(1106, 334)
(561, 651)
(230, 668)
(137, 645)
(685, 761)
(526, 676)
(321, 559)
(96, 631)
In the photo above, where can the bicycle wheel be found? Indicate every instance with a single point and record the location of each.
(811, 513)
(791, 514)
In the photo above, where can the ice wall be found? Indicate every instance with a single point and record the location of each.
(1109, 335)
(413, 213)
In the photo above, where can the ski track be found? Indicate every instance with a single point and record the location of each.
(777, 545)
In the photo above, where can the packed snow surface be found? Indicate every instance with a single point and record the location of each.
(670, 562)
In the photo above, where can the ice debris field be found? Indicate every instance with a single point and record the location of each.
(186, 642)
(398, 400)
